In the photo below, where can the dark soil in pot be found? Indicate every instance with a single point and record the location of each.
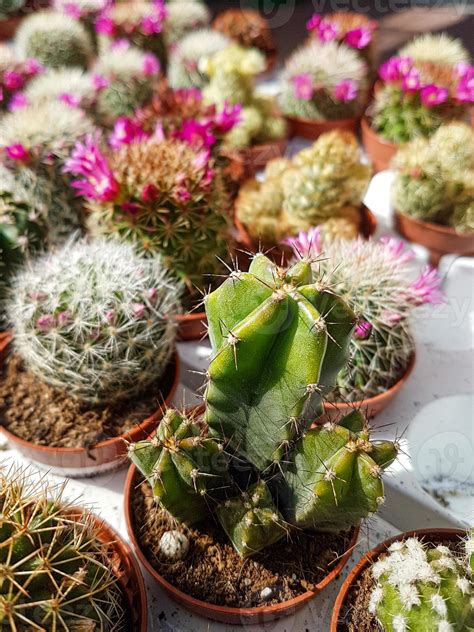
(355, 615)
(36, 412)
(213, 571)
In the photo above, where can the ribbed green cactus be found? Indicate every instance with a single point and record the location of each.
(95, 320)
(434, 178)
(420, 586)
(56, 574)
(184, 466)
(55, 40)
(232, 74)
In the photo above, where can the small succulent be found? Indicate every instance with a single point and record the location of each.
(56, 571)
(323, 182)
(85, 11)
(232, 74)
(15, 75)
(324, 81)
(72, 86)
(183, 66)
(55, 40)
(434, 178)
(376, 280)
(165, 196)
(184, 16)
(437, 48)
(94, 320)
(276, 353)
(422, 586)
(246, 27)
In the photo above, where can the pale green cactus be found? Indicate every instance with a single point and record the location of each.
(438, 48)
(60, 83)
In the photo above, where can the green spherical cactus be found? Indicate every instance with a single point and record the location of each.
(184, 16)
(56, 571)
(420, 586)
(95, 320)
(438, 48)
(55, 40)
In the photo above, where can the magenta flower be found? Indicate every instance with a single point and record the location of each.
(17, 152)
(395, 68)
(151, 65)
(87, 160)
(110, 315)
(196, 134)
(427, 288)
(303, 86)
(13, 80)
(159, 133)
(131, 208)
(464, 70)
(149, 193)
(70, 99)
(64, 317)
(411, 81)
(395, 249)
(104, 25)
(390, 317)
(100, 82)
(120, 44)
(2, 96)
(432, 95)
(18, 100)
(306, 245)
(73, 10)
(313, 22)
(362, 330)
(326, 31)
(46, 322)
(225, 119)
(358, 38)
(152, 294)
(345, 90)
(125, 132)
(33, 67)
(465, 91)
(201, 160)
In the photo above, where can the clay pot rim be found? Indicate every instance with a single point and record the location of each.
(371, 555)
(192, 603)
(128, 436)
(369, 130)
(436, 228)
(190, 316)
(366, 403)
(309, 121)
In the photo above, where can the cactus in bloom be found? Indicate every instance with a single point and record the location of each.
(184, 16)
(56, 571)
(437, 48)
(434, 178)
(72, 86)
(232, 74)
(324, 81)
(246, 27)
(55, 40)
(95, 320)
(420, 586)
(15, 75)
(183, 67)
(184, 466)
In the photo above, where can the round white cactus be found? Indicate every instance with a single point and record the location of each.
(174, 545)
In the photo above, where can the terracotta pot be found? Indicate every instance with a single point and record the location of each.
(8, 27)
(370, 557)
(439, 240)
(104, 456)
(235, 616)
(312, 129)
(192, 326)
(246, 162)
(379, 150)
(371, 406)
(125, 568)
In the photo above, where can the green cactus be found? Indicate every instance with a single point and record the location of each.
(55, 571)
(55, 40)
(437, 48)
(232, 74)
(184, 466)
(420, 586)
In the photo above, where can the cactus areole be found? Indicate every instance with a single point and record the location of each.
(279, 339)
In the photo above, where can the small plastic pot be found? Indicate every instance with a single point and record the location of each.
(312, 129)
(246, 162)
(234, 616)
(439, 240)
(370, 557)
(379, 150)
(371, 406)
(104, 456)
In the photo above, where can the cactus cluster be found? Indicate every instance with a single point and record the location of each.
(422, 586)
(15, 75)
(276, 353)
(184, 16)
(324, 81)
(94, 320)
(323, 183)
(437, 48)
(184, 59)
(434, 178)
(56, 571)
(248, 28)
(231, 75)
(72, 86)
(55, 40)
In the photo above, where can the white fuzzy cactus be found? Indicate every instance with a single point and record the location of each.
(62, 84)
(95, 319)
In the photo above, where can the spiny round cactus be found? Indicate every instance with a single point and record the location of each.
(55, 40)
(56, 573)
(434, 178)
(70, 85)
(183, 17)
(324, 81)
(438, 48)
(183, 67)
(420, 586)
(95, 320)
(10, 7)
(247, 27)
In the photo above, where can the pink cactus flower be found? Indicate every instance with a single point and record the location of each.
(100, 82)
(120, 44)
(46, 322)
(104, 25)
(17, 152)
(313, 22)
(151, 65)
(306, 245)
(70, 99)
(395, 68)
(64, 317)
(201, 160)
(390, 317)
(125, 132)
(226, 118)
(2, 96)
(159, 132)
(303, 86)
(358, 38)
(18, 100)
(327, 32)
(465, 91)
(196, 134)
(395, 249)
(464, 70)
(131, 208)
(345, 90)
(427, 288)
(110, 316)
(432, 95)
(33, 67)
(362, 330)
(149, 193)
(73, 10)
(152, 294)
(13, 80)
(411, 82)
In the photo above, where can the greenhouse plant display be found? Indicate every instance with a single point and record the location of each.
(250, 29)
(433, 192)
(324, 87)
(420, 580)
(321, 185)
(92, 347)
(246, 458)
(377, 281)
(64, 568)
(260, 135)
